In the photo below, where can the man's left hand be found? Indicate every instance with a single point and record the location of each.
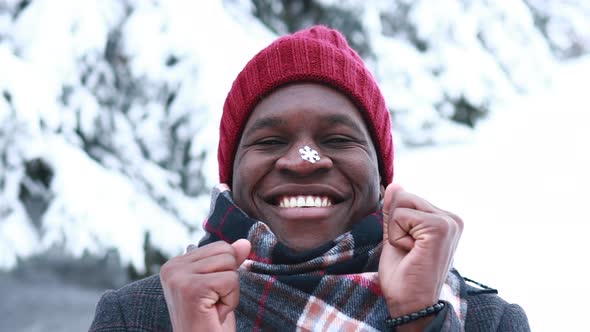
(419, 242)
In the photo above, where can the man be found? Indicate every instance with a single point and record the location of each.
(313, 235)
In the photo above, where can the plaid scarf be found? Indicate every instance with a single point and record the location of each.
(334, 287)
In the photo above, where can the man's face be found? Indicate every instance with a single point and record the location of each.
(272, 183)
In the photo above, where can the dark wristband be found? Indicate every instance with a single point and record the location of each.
(433, 309)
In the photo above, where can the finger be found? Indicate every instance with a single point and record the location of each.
(226, 285)
(242, 248)
(226, 260)
(397, 235)
(229, 324)
(458, 234)
(396, 197)
(190, 248)
(408, 225)
(391, 256)
(388, 198)
(217, 295)
(398, 238)
(406, 199)
(228, 303)
(178, 266)
(212, 249)
(211, 264)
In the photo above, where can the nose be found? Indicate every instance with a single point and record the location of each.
(303, 160)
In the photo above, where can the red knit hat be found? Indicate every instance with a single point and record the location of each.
(318, 54)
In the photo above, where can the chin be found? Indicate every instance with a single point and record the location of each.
(305, 243)
(298, 247)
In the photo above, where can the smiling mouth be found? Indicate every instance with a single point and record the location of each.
(301, 201)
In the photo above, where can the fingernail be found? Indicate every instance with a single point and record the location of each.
(190, 248)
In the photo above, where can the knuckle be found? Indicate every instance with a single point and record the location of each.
(455, 222)
(224, 246)
(212, 245)
(229, 260)
(442, 224)
(173, 282)
(228, 278)
(460, 223)
(209, 282)
(446, 225)
(226, 281)
(167, 270)
(234, 280)
(449, 224)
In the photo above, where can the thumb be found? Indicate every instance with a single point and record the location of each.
(388, 200)
(393, 233)
(242, 249)
(390, 192)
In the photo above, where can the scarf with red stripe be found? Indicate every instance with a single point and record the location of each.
(332, 287)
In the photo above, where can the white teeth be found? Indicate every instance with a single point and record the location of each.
(317, 202)
(304, 201)
(300, 201)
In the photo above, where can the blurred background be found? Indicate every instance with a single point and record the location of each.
(109, 115)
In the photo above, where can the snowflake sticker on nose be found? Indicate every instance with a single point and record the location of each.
(309, 154)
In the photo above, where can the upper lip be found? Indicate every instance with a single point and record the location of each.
(305, 190)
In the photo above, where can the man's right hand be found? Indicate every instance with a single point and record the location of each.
(202, 287)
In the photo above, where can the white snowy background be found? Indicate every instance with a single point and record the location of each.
(109, 114)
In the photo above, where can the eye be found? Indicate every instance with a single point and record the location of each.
(269, 142)
(338, 140)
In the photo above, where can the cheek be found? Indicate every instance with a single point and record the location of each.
(240, 185)
(247, 173)
(364, 173)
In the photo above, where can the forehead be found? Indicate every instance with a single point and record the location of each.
(305, 101)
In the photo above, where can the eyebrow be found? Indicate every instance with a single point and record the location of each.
(274, 122)
(269, 122)
(343, 120)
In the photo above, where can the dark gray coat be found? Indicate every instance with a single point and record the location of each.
(140, 307)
